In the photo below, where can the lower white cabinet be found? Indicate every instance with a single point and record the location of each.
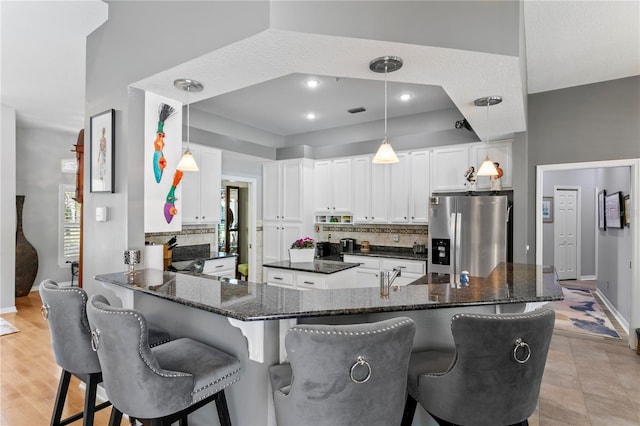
(223, 267)
(301, 280)
(368, 273)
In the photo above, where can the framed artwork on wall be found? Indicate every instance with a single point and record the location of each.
(547, 209)
(102, 165)
(602, 219)
(614, 211)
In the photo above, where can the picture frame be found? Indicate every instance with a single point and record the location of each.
(547, 209)
(602, 219)
(614, 212)
(102, 155)
(627, 207)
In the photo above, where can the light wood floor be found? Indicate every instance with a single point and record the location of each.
(587, 381)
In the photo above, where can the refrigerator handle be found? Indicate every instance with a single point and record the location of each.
(458, 249)
(509, 212)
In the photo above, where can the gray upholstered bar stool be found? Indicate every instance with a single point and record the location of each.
(65, 310)
(162, 384)
(344, 374)
(491, 379)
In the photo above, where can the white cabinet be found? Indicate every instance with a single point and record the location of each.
(201, 190)
(392, 193)
(287, 211)
(399, 189)
(302, 280)
(283, 183)
(379, 193)
(362, 189)
(448, 166)
(368, 273)
(277, 237)
(333, 183)
(499, 152)
(419, 188)
(223, 267)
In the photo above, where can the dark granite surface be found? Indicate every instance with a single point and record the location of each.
(397, 254)
(508, 283)
(318, 266)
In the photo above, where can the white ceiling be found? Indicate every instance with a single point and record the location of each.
(568, 43)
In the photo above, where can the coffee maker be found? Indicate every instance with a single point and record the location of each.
(347, 245)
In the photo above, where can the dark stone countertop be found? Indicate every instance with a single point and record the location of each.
(508, 283)
(318, 266)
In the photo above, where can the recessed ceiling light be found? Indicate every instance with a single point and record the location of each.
(406, 96)
(312, 84)
(311, 116)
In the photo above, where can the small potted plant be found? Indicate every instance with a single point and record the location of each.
(302, 250)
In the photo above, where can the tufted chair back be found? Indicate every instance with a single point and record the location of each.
(344, 374)
(496, 372)
(65, 310)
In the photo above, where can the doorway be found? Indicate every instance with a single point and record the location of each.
(628, 294)
(236, 232)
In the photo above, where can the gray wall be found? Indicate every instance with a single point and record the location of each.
(614, 247)
(586, 180)
(585, 123)
(38, 177)
(8, 214)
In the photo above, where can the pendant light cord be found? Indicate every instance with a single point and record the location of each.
(188, 117)
(385, 103)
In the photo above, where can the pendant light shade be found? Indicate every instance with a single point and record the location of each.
(385, 64)
(488, 168)
(385, 154)
(187, 163)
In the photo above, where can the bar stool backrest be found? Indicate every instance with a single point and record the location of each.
(65, 310)
(347, 374)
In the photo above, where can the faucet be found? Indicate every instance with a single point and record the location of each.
(387, 278)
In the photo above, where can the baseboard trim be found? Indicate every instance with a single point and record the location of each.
(588, 278)
(623, 322)
(9, 310)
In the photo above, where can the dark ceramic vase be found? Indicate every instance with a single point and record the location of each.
(26, 256)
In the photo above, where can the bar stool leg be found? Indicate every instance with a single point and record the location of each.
(61, 396)
(223, 410)
(116, 417)
(409, 411)
(90, 399)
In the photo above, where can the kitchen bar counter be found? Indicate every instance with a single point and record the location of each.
(507, 284)
(396, 254)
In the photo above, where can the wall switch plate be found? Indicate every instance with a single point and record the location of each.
(101, 214)
(395, 238)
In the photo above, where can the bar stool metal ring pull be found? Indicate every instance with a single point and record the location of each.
(44, 310)
(527, 350)
(360, 361)
(95, 340)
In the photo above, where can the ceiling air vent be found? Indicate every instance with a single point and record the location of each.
(357, 110)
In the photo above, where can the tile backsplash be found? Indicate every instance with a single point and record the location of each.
(377, 235)
(186, 237)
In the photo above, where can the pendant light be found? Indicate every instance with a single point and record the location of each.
(187, 162)
(487, 168)
(385, 64)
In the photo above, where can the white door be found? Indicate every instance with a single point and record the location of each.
(565, 233)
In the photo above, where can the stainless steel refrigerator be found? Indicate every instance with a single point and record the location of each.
(467, 233)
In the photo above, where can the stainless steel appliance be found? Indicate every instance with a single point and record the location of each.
(323, 249)
(467, 233)
(347, 245)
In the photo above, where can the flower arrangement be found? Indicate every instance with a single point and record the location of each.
(302, 243)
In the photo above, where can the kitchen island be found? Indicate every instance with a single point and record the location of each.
(220, 312)
(318, 275)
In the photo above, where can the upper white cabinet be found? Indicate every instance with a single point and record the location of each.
(448, 166)
(333, 183)
(286, 206)
(283, 183)
(201, 190)
(399, 189)
(362, 189)
(419, 188)
(499, 152)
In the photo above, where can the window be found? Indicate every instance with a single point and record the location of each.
(68, 225)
